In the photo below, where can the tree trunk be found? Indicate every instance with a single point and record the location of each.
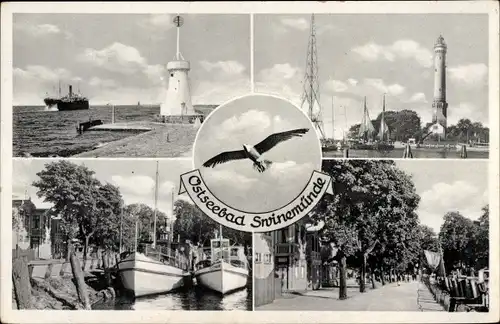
(382, 275)
(362, 272)
(372, 275)
(21, 283)
(105, 265)
(85, 251)
(81, 287)
(342, 276)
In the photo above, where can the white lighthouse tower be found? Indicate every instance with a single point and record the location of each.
(177, 106)
(439, 104)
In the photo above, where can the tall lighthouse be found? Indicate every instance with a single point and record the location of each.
(177, 106)
(439, 104)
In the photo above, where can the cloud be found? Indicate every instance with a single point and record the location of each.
(161, 22)
(379, 84)
(352, 82)
(288, 169)
(401, 49)
(117, 57)
(372, 52)
(41, 73)
(42, 30)
(442, 198)
(467, 110)
(230, 68)
(418, 97)
(102, 83)
(470, 75)
(32, 81)
(138, 185)
(295, 23)
(337, 86)
(282, 79)
(229, 179)
(249, 120)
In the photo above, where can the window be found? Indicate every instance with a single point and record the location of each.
(36, 222)
(283, 235)
(258, 257)
(267, 258)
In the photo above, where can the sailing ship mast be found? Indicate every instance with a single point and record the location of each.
(333, 122)
(156, 205)
(383, 126)
(170, 231)
(366, 128)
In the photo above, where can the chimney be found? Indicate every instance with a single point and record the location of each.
(70, 90)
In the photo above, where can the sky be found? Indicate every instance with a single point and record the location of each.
(368, 55)
(134, 178)
(121, 58)
(447, 186)
(249, 120)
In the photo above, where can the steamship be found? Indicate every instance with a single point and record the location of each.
(72, 101)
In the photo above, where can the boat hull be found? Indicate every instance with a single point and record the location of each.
(67, 105)
(142, 276)
(222, 277)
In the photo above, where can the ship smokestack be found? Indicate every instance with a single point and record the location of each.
(70, 90)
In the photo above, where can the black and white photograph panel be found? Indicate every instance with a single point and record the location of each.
(396, 235)
(122, 85)
(100, 235)
(413, 82)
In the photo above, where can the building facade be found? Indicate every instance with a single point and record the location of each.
(297, 257)
(37, 230)
(267, 284)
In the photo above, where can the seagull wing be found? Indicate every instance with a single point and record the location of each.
(225, 157)
(273, 140)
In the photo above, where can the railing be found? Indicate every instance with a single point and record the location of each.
(454, 293)
(167, 256)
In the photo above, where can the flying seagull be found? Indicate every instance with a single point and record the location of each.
(254, 153)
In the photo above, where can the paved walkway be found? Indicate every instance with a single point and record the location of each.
(391, 297)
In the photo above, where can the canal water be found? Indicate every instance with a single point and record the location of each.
(418, 153)
(196, 298)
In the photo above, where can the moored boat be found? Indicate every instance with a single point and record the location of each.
(226, 270)
(154, 269)
(152, 273)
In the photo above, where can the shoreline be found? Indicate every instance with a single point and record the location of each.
(164, 140)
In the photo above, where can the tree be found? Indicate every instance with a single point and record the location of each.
(109, 206)
(371, 206)
(428, 238)
(483, 239)
(457, 240)
(193, 225)
(144, 216)
(353, 132)
(81, 201)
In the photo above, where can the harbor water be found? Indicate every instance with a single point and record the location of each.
(418, 153)
(196, 298)
(42, 133)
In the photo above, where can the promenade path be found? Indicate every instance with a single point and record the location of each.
(410, 297)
